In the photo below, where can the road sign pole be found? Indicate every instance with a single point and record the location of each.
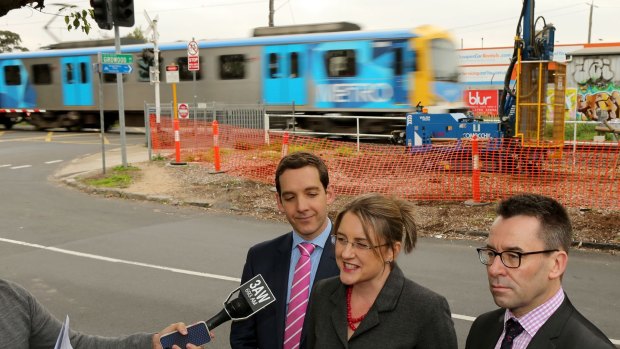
(101, 115)
(121, 100)
(177, 136)
(156, 64)
(195, 94)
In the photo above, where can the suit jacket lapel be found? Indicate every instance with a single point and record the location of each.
(552, 329)
(387, 300)
(327, 265)
(281, 269)
(491, 335)
(339, 314)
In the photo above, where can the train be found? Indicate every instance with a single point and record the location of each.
(322, 69)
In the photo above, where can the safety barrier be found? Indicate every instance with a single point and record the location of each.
(584, 175)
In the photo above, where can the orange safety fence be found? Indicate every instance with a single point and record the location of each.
(586, 177)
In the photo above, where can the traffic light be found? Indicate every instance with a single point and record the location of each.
(123, 13)
(102, 13)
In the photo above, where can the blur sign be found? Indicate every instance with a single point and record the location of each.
(482, 102)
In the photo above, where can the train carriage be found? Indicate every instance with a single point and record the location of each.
(348, 72)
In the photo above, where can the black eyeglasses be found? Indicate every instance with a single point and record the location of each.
(342, 241)
(511, 259)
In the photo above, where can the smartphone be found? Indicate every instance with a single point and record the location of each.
(197, 334)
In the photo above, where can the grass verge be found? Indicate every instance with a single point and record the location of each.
(119, 177)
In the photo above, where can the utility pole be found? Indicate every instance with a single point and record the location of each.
(590, 21)
(271, 11)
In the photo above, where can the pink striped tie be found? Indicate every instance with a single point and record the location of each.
(299, 297)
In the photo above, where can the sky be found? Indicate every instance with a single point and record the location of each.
(473, 24)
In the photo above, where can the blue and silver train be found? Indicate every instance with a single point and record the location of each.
(340, 72)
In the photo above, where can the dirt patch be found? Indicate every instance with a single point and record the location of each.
(195, 183)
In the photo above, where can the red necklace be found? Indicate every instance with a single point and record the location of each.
(350, 319)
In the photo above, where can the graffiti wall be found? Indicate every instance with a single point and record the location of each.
(597, 80)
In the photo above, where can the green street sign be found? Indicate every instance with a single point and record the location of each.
(116, 58)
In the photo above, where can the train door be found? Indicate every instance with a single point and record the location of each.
(403, 59)
(77, 82)
(284, 74)
(15, 91)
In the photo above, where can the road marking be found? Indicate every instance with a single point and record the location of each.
(1, 133)
(463, 317)
(174, 270)
(24, 139)
(69, 135)
(122, 261)
(18, 167)
(48, 138)
(105, 139)
(53, 161)
(7, 165)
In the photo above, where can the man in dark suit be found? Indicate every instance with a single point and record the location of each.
(526, 256)
(303, 194)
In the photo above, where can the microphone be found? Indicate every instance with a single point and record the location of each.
(254, 295)
(238, 307)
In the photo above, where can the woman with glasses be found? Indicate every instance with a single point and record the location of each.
(372, 304)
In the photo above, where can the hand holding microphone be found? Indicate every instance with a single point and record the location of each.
(254, 295)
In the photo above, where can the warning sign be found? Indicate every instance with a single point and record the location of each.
(193, 59)
(183, 111)
(172, 74)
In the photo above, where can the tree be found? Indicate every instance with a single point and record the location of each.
(8, 5)
(78, 19)
(137, 33)
(10, 42)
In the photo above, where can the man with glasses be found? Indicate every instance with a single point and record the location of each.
(292, 262)
(526, 256)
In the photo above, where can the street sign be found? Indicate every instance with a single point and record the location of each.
(192, 48)
(116, 68)
(183, 111)
(193, 63)
(116, 58)
(172, 74)
(193, 58)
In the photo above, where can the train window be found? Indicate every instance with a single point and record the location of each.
(232, 67)
(110, 78)
(83, 73)
(294, 65)
(273, 65)
(12, 75)
(42, 74)
(445, 60)
(398, 61)
(184, 73)
(340, 63)
(69, 70)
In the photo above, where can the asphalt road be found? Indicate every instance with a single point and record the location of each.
(119, 266)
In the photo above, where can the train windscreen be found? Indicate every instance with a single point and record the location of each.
(444, 58)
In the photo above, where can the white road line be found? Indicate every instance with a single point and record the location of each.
(116, 260)
(53, 161)
(463, 317)
(7, 165)
(174, 270)
(18, 167)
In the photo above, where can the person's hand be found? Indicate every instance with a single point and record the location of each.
(179, 326)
